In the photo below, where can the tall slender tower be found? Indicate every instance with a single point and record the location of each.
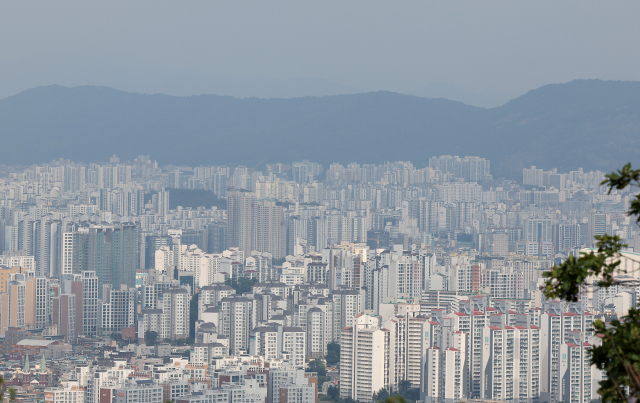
(255, 224)
(241, 210)
(269, 231)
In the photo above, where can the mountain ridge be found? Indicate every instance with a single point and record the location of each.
(584, 123)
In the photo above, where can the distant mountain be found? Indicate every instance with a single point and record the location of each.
(585, 123)
(446, 91)
(273, 88)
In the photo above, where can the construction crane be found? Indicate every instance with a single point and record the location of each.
(377, 241)
(259, 163)
(232, 188)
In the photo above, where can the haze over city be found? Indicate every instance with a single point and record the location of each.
(304, 202)
(484, 53)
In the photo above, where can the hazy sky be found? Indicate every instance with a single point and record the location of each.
(285, 48)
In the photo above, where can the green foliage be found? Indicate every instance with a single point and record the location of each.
(382, 395)
(151, 337)
(317, 366)
(195, 198)
(116, 336)
(241, 285)
(1, 388)
(12, 392)
(619, 353)
(279, 262)
(322, 380)
(334, 393)
(413, 394)
(404, 386)
(620, 180)
(333, 353)
(404, 394)
(183, 342)
(564, 281)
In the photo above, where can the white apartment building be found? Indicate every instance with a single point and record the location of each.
(364, 368)
(502, 284)
(105, 378)
(472, 324)
(67, 392)
(526, 367)
(264, 342)
(318, 329)
(556, 328)
(203, 352)
(42, 301)
(204, 265)
(293, 346)
(176, 304)
(69, 255)
(207, 396)
(90, 311)
(275, 342)
(262, 263)
(405, 274)
(164, 259)
(278, 288)
(346, 305)
(139, 391)
(238, 319)
(407, 345)
(497, 363)
(575, 371)
(250, 391)
(18, 260)
(317, 272)
(464, 276)
(152, 293)
(119, 309)
(443, 375)
(150, 320)
(292, 385)
(212, 294)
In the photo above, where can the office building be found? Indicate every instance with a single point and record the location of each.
(112, 253)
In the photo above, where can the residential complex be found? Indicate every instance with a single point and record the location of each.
(426, 277)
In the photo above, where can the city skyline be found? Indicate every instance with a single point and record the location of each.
(427, 278)
(319, 202)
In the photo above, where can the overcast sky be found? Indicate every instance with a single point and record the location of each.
(288, 48)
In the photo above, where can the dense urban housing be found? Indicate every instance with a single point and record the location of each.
(130, 282)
